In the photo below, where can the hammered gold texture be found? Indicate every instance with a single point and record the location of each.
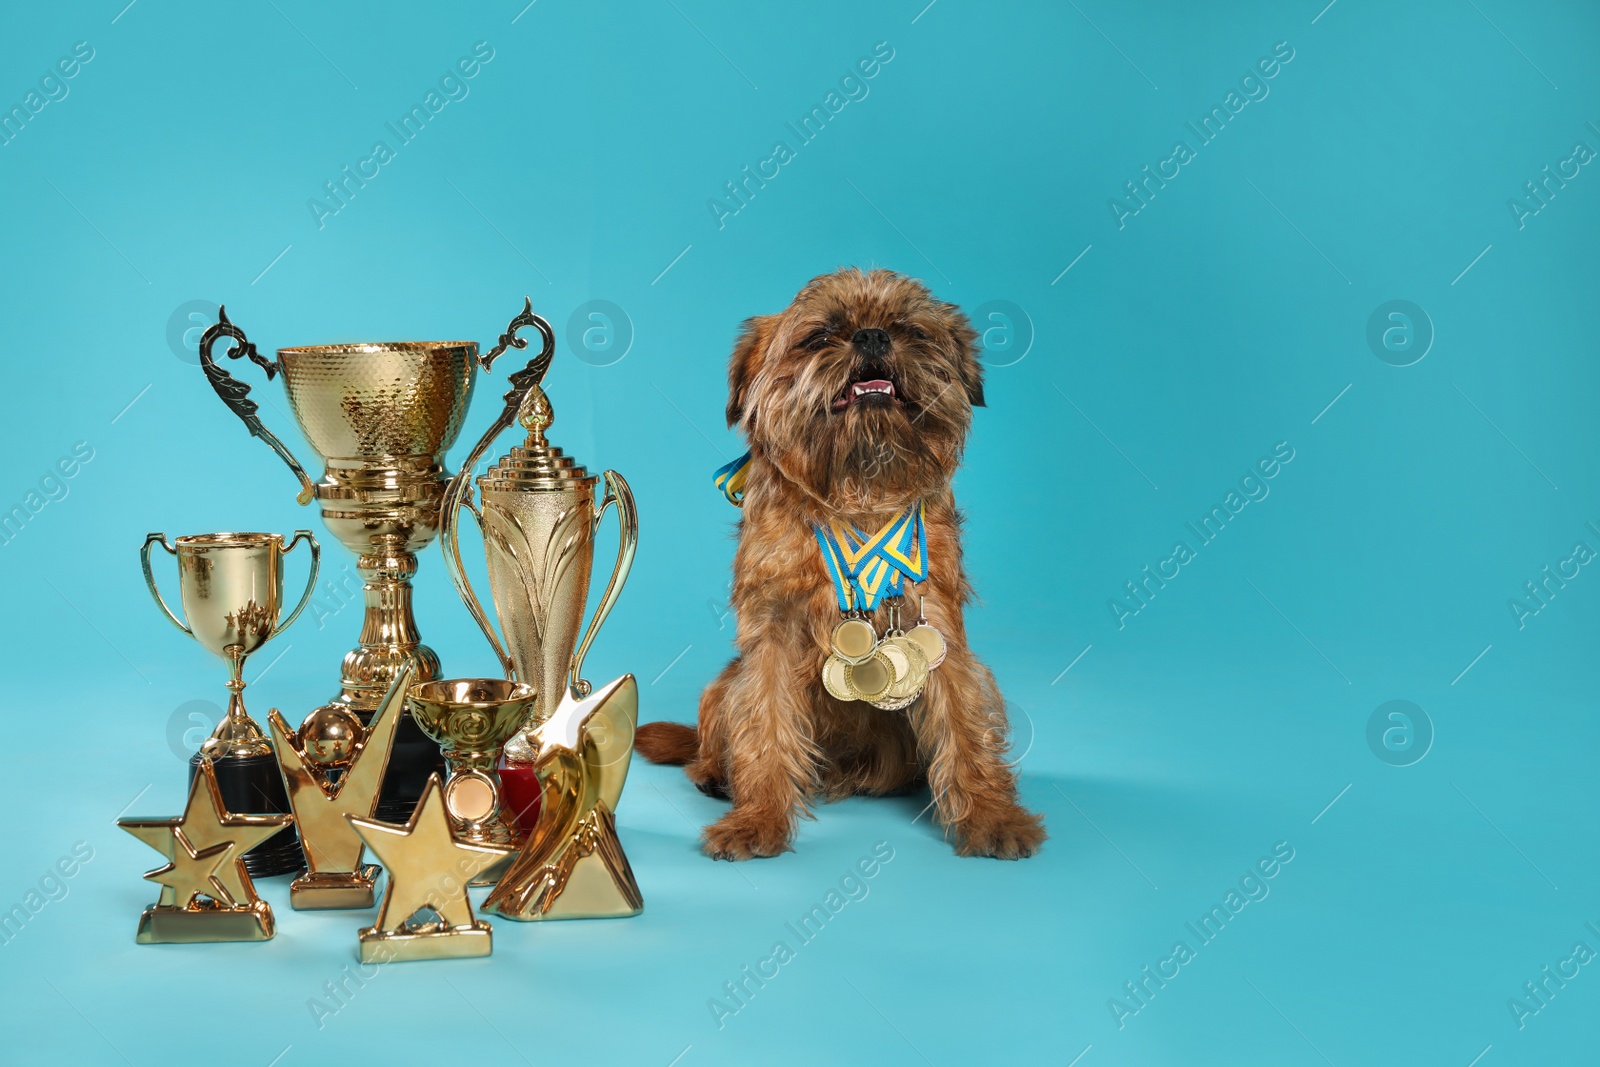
(403, 398)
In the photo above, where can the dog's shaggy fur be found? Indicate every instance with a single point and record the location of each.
(770, 737)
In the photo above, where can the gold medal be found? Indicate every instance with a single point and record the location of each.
(853, 640)
(930, 641)
(897, 657)
(913, 675)
(871, 678)
(833, 679)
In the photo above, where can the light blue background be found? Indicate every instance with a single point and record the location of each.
(1222, 319)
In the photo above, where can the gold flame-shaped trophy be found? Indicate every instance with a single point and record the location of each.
(538, 516)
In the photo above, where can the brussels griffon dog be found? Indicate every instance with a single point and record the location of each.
(855, 402)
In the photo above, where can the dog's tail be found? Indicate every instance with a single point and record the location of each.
(672, 743)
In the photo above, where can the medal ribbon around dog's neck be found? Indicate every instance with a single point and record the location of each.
(865, 569)
(730, 479)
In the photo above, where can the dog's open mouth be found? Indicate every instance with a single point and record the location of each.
(871, 391)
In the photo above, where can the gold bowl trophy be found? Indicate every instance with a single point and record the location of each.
(231, 588)
(381, 417)
(472, 719)
(538, 516)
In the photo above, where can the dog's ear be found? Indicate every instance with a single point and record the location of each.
(971, 369)
(747, 357)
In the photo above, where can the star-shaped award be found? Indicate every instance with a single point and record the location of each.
(206, 893)
(333, 738)
(428, 871)
(572, 865)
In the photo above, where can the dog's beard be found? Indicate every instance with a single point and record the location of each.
(876, 455)
(869, 454)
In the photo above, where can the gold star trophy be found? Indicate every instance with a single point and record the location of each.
(572, 866)
(428, 875)
(332, 766)
(206, 893)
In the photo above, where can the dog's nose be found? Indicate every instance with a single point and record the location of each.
(872, 342)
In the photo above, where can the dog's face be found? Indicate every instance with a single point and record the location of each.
(862, 390)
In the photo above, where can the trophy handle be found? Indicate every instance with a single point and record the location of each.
(537, 366)
(311, 579)
(459, 493)
(236, 394)
(458, 497)
(618, 493)
(150, 578)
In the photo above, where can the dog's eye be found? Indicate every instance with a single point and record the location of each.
(816, 339)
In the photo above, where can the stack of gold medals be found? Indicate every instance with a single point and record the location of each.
(889, 670)
(361, 774)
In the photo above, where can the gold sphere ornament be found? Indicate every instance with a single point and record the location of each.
(330, 735)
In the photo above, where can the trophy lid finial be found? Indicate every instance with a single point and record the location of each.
(536, 464)
(535, 414)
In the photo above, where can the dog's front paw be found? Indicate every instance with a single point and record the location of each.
(737, 836)
(1012, 834)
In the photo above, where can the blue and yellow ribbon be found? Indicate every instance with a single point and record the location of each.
(730, 479)
(864, 568)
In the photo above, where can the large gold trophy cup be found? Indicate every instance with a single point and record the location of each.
(380, 416)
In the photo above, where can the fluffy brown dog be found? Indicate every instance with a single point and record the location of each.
(823, 447)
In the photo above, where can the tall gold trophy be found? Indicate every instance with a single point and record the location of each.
(381, 417)
(538, 515)
(231, 589)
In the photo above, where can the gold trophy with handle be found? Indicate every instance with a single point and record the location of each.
(538, 514)
(381, 417)
(231, 588)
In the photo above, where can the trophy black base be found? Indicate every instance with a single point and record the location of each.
(251, 785)
(414, 757)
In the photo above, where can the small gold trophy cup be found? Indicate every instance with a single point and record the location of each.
(381, 417)
(472, 719)
(538, 516)
(231, 588)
